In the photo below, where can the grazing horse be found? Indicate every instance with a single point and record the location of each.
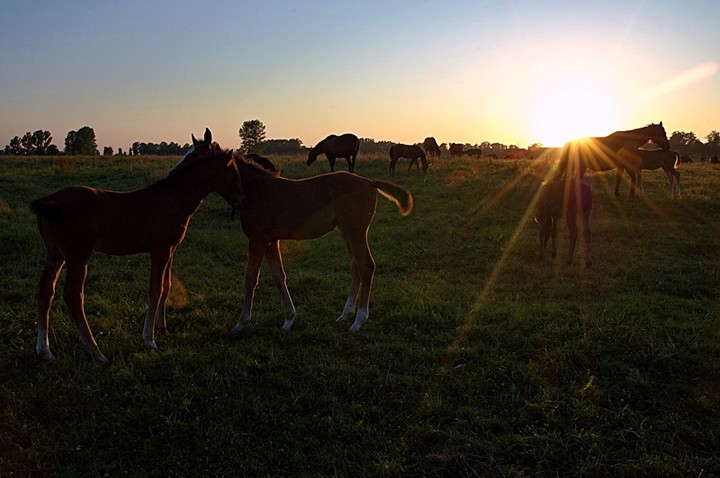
(456, 149)
(569, 198)
(78, 220)
(476, 152)
(654, 159)
(344, 146)
(431, 147)
(609, 152)
(278, 208)
(412, 152)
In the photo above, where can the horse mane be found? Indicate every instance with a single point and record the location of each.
(183, 169)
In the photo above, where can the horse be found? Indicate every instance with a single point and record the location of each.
(654, 159)
(474, 152)
(412, 152)
(609, 152)
(279, 208)
(344, 146)
(456, 149)
(431, 147)
(564, 198)
(76, 221)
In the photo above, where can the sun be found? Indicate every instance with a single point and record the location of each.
(573, 106)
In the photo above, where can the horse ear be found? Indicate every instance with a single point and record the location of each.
(208, 136)
(661, 123)
(229, 156)
(195, 141)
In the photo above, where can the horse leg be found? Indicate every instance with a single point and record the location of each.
(631, 173)
(159, 265)
(75, 300)
(412, 161)
(573, 231)
(677, 181)
(355, 283)
(640, 181)
(393, 162)
(45, 293)
(331, 160)
(252, 273)
(160, 319)
(618, 178)
(363, 269)
(277, 270)
(587, 235)
(553, 222)
(351, 163)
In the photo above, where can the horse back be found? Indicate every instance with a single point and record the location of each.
(342, 146)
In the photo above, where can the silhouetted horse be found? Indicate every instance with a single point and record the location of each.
(653, 159)
(431, 147)
(78, 220)
(411, 152)
(345, 146)
(475, 152)
(278, 208)
(564, 198)
(609, 152)
(456, 149)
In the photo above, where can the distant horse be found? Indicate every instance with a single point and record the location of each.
(412, 152)
(714, 159)
(431, 147)
(344, 146)
(456, 149)
(609, 152)
(78, 220)
(278, 208)
(564, 198)
(654, 159)
(475, 152)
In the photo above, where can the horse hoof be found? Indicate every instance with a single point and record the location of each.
(354, 328)
(152, 345)
(102, 360)
(46, 355)
(287, 325)
(342, 318)
(238, 328)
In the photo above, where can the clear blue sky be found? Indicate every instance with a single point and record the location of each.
(515, 72)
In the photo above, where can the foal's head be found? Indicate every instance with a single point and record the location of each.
(200, 149)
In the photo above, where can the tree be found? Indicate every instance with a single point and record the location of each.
(32, 143)
(280, 146)
(251, 133)
(686, 143)
(712, 147)
(81, 142)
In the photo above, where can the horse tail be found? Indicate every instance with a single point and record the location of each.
(47, 207)
(678, 160)
(397, 194)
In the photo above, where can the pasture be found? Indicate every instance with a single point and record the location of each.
(477, 359)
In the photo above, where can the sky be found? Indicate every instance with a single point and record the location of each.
(513, 72)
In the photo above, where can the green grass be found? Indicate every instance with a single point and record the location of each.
(477, 360)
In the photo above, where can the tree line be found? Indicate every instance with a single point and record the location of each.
(252, 135)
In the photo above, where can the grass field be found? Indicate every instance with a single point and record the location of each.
(477, 359)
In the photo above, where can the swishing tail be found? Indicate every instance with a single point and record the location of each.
(678, 160)
(397, 194)
(47, 208)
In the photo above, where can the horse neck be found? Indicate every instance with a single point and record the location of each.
(191, 186)
(629, 139)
